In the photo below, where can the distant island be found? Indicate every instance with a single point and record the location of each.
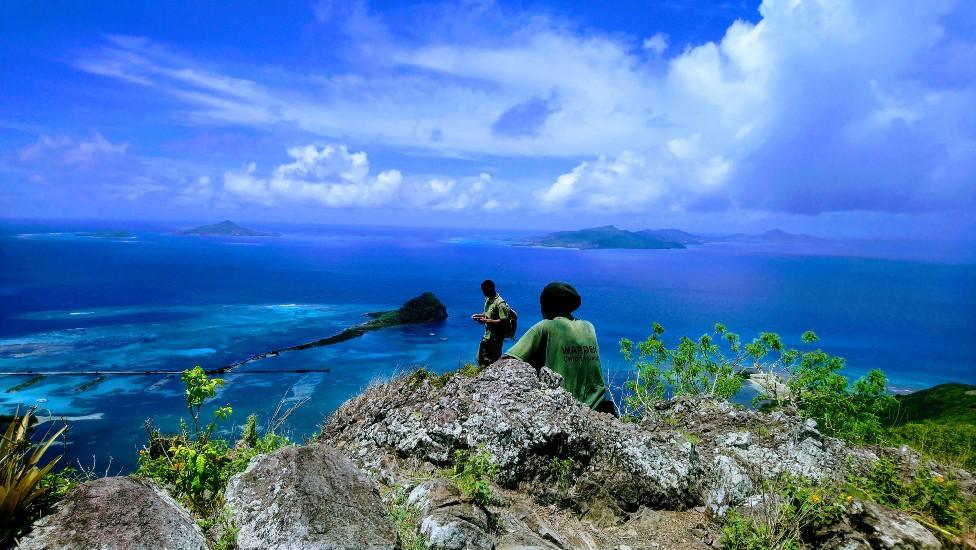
(106, 234)
(227, 228)
(609, 236)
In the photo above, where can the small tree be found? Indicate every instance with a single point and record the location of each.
(806, 381)
(693, 367)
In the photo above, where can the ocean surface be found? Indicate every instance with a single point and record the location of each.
(155, 300)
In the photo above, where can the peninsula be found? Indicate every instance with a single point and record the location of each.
(426, 308)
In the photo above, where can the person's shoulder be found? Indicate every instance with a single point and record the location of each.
(586, 325)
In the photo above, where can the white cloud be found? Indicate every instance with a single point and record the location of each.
(330, 176)
(656, 44)
(823, 105)
(67, 151)
(334, 177)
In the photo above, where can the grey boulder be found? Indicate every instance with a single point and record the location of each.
(116, 513)
(307, 497)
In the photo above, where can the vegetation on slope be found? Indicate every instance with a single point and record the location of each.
(28, 487)
(862, 412)
(946, 403)
(939, 422)
(194, 466)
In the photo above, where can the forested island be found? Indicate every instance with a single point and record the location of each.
(227, 228)
(610, 236)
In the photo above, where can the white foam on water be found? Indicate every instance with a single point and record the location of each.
(92, 416)
(304, 387)
(194, 352)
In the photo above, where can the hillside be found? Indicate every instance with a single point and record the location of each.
(945, 403)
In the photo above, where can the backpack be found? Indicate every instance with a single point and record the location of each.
(512, 325)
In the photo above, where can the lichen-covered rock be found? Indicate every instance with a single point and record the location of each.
(116, 513)
(308, 497)
(730, 485)
(446, 520)
(527, 423)
(889, 529)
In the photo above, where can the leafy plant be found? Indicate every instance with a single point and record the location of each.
(933, 499)
(563, 470)
(193, 465)
(814, 387)
(23, 477)
(693, 367)
(950, 443)
(849, 411)
(406, 520)
(473, 473)
(789, 509)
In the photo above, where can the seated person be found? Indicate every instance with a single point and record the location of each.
(566, 345)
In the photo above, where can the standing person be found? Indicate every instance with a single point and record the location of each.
(566, 345)
(494, 317)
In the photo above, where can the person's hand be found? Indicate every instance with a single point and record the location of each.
(478, 316)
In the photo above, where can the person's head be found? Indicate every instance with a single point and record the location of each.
(559, 300)
(488, 288)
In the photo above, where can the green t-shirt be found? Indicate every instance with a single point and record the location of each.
(569, 347)
(495, 308)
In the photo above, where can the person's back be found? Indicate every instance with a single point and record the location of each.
(568, 346)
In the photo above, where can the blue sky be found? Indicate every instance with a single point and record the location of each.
(826, 116)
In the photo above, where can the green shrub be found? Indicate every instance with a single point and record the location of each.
(790, 509)
(849, 411)
(950, 443)
(468, 370)
(816, 387)
(562, 469)
(936, 501)
(693, 367)
(194, 466)
(473, 473)
(25, 479)
(406, 520)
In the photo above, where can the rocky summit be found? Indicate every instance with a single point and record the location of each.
(386, 472)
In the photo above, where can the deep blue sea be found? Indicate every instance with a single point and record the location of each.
(158, 300)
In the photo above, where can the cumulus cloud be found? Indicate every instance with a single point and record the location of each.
(330, 176)
(656, 44)
(455, 195)
(820, 106)
(334, 177)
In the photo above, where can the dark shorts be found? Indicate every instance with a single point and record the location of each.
(490, 351)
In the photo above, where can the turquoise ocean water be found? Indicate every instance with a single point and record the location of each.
(156, 301)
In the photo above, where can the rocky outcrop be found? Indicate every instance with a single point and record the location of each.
(447, 520)
(567, 477)
(890, 529)
(307, 497)
(537, 433)
(116, 513)
(741, 445)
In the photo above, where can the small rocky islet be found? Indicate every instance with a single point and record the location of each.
(568, 477)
